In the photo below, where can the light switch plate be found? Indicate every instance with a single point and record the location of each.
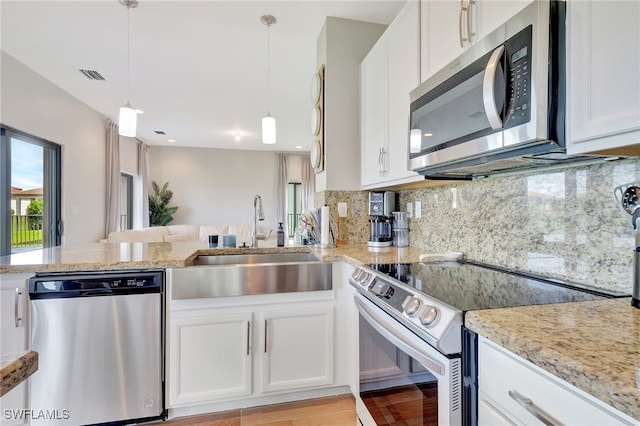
(410, 209)
(418, 209)
(342, 209)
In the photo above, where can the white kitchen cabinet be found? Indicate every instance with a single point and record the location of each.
(297, 349)
(388, 73)
(14, 337)
(602, 77)
(449, 27)
(373, 110)
(508, 383)
(211, 357)
(229, 349)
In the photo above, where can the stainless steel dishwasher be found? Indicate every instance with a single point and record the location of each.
(99, 337)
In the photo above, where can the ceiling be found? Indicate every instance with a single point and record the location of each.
(198, 68)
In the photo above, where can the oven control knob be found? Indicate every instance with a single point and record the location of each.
(385, 291)
(412, 306)
(429, 315)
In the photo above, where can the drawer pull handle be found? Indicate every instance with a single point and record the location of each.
(533, 409)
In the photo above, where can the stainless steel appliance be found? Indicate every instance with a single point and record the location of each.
(500, 105)
(382, 203)
(99, 340)
(381, 206)
(417, 361)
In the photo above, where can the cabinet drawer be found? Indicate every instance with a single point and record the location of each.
(504, 377)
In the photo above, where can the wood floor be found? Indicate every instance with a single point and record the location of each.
(331, 411)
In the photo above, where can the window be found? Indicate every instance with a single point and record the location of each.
(126, 201)
(294, 206)
(30, 186)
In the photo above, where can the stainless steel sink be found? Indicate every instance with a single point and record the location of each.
(253, 258)
(250, 274)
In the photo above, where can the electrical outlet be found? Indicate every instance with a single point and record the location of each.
(342, 209)
(410, 209)
(418, 209)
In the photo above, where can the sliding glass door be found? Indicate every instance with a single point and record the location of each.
(30, 185)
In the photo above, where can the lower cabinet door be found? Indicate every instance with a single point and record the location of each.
(297, 349)
(210, 358)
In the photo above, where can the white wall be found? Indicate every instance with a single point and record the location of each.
(35, 106)
(213, 186)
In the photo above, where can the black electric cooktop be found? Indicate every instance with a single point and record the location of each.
(472, 286)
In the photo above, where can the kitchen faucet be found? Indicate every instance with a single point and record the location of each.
(258, 214)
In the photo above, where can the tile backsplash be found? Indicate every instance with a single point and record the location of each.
(559, 223)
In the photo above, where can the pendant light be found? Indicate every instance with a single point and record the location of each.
(127, 121)
(268, 121)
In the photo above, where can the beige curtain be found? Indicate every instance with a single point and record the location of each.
(281, 190)
(113, 178)
(308, 184)
(143, 173)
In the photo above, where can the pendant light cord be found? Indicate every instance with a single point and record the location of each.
(268, 66)
(128, 52)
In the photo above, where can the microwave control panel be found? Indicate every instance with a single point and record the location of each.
(518, 59)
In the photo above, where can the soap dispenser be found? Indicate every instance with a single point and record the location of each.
(280, 235)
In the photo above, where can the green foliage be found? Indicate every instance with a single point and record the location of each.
(160, 214)
(35, 210)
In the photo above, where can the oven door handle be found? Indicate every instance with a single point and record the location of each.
(388, 328)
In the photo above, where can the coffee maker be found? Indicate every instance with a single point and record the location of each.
(381, 206)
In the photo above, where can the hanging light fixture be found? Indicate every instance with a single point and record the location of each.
(268, 122)
(127, 121)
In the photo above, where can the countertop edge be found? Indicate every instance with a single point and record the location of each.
(15, 368)
(553, 360)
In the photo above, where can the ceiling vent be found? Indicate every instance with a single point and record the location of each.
(159, 132)
(92, 75)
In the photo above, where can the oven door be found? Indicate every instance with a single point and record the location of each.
(403, 380)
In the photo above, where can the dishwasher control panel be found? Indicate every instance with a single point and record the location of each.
(94, 284)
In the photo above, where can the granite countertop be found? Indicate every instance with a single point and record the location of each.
(120, 256)
(15, 367)
(594, 345)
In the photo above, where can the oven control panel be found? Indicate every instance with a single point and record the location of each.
(426, 316)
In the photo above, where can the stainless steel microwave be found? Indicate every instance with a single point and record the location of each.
(499, 106)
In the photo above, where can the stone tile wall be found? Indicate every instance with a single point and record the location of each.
(559, 223)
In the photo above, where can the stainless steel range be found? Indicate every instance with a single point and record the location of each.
(417, 361)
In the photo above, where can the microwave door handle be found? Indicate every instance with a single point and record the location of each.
(488, 89)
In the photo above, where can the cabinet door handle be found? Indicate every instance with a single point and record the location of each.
(462, 9)
(16, 315)
(533, 409)
(379, 161)
(248, 337)
(265, 336)
(469, 29)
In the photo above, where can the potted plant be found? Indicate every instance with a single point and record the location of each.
(160, 214)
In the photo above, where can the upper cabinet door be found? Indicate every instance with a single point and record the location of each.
(404, 76)
(448, 27)
(444, 28)
(603, 76)
(374, 110)
(492, 13)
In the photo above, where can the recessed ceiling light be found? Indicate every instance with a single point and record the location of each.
(298, 146)
(171, 140)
